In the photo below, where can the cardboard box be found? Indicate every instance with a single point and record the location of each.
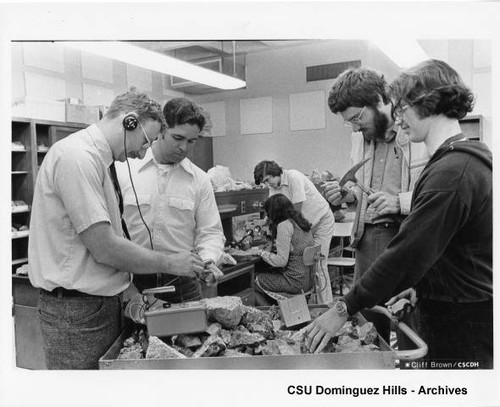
(82, 114)
(39, 109)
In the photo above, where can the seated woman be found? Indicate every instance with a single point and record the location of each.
(292, 233)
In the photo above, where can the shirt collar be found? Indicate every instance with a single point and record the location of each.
(150, 159)
(101, 144)
(284, 178)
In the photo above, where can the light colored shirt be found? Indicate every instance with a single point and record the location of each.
(284, 246)
(74, 191)
(300, 189)
(177, 203)
(386, 177)
(414, 159)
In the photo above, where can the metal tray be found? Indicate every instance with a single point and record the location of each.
(384, 359)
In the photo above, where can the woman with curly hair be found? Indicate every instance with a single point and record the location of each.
(292, 233)
(444, 246)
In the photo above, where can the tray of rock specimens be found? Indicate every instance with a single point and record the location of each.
(245, 337)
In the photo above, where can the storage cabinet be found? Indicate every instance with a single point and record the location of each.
(22, 190)
(246, 201)
(202, 154)
(31, 139)
(472, 127)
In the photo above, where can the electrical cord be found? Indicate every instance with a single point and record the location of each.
(133, 189)
(142, 218)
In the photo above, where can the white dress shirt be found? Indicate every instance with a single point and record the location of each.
(300, 189)
(73, 192)
(177, 203)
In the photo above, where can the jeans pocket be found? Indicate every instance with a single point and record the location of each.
(47, 314)
(86, 310)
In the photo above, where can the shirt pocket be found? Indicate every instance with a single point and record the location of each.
(182, 212)
(130, 208)
(181, 204)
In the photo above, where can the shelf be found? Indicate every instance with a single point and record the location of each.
(20, 234)
(17, 262)
(20, 151)
(21, 209)
(42, 151)
(19, 172)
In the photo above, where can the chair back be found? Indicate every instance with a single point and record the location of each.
(342, 229)
(311, 255)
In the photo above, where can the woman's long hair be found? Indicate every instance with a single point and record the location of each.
(279, 208)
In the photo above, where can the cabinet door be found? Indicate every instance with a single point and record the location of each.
(202, 154)
(28, 337)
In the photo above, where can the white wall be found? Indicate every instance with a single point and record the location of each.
(94, 80)
(278, 73)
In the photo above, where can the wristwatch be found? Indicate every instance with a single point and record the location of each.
(340, 307)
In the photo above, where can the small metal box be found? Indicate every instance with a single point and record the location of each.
(185, 318)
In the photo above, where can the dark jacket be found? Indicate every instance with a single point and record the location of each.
(444, 247)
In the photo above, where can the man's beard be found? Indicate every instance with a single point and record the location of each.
(380, 126)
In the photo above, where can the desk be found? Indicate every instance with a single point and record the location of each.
(238, 280)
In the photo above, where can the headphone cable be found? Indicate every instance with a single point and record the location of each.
(133, 189)
(158, 276)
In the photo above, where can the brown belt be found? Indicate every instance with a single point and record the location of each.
(61, 292)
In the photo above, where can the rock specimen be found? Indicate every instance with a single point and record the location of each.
(158, 349)
(242, 336)
(367, 333)
(258, 321)
(213, 346)
(225, 310)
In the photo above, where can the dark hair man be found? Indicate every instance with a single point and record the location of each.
(176, 201)
(360, 96)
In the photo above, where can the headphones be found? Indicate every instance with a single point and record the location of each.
(130, 121)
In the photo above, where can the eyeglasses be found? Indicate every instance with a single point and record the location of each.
(149, 142)
(354, 120)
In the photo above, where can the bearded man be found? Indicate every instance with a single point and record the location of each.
(360, 96)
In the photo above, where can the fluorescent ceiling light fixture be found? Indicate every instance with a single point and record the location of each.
(154, 61)
(405, 52)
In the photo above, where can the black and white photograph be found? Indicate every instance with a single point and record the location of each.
(249, 203)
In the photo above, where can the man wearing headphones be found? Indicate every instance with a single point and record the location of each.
(78, 256)
(169, 201)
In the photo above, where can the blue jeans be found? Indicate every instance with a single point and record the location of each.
(453, 331)
(77, 331)
(374, 242)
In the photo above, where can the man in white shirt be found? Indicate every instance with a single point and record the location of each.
(78, 256)
(176, 200)
(306, 199)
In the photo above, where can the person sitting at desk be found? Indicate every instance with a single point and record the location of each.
(307, 200)
(293, 234)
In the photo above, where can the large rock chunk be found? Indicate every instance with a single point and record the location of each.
(257, 321)
(367, 333)
(188, 341)
(157, 349)
(213, 346)
(243, 337)
(225, 310)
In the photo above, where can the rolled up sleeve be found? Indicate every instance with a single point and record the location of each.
(210, 238)
(283, 246)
